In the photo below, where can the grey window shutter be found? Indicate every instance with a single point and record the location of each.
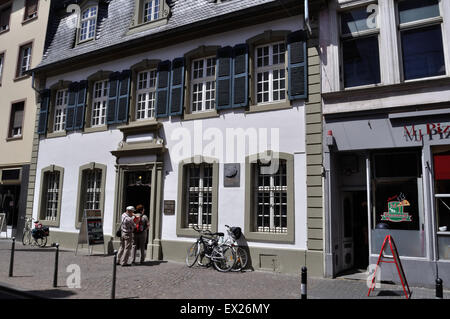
(81, 105)
(177, 87)
(223, 80)
(112, 97)
(123, 99)
(240, 75)
(162, 89)
(298, 66)
(43, 113)
(71, 104)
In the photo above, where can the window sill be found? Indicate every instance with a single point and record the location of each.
(57, 134)
(80, 43)
(49, 223)
(269, 107)
(26, 21)
(270, 237)
(4, 31)
(20, 78)
(200, 115)
(143, 26)
(95, 129)
(15, 138)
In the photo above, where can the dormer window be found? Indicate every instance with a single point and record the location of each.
(88, 24)
(149, 14)
(151, 10)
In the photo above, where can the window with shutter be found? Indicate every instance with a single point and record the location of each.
(112, 98)
(224, 74)
(123, 98)
(44, 110)
(298, 66)
(240, 75)
(177, 87)
(162, 89)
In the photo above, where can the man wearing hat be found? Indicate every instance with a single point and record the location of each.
(126, 239)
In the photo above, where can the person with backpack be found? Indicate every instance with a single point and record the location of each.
(140, 232)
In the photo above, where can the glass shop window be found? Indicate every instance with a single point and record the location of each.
(442, 191)
(395, 184)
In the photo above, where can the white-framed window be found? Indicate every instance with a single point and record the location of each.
(99, 103)
(270, 196)
(270, 70)
(88, 24)
(51, 195)
(146, 95)
(92, 188)
(60, 110)
(151, 10)
(24, 59)
(420, 37)
(360, 56)
(203, 85)
(199, 181)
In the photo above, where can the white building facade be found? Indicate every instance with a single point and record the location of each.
(203, 122)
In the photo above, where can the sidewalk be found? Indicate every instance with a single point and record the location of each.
(33, 273)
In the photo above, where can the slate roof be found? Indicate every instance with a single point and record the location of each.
(114, 18)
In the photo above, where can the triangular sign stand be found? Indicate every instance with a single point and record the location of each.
(391, 260)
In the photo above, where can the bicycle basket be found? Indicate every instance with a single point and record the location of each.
(236, 232)
(45, 231)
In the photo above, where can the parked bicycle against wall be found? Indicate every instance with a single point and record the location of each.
(36, 236)
(207, 250)
(234, 233)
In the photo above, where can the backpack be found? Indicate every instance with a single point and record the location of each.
(140, 225)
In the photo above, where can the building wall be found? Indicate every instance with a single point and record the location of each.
(78, 148)
(16, 152)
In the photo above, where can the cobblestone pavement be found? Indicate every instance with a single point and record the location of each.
(33, 272)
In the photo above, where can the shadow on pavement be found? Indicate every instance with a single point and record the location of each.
(51, 293)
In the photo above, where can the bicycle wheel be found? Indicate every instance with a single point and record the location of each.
(41, 242)
(26, 238)
(192, 254)
(223, 258)
(241, 259)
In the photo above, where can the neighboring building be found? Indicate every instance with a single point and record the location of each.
(385, 89)
(148, 102)
(23, 25)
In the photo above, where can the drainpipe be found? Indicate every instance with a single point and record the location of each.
(308, 26)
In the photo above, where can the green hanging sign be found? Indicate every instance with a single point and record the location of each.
(396, 211)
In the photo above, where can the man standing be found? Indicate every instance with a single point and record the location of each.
(140, 232)
(126, 239)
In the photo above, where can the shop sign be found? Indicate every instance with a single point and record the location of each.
(432, 131)
(396, 211)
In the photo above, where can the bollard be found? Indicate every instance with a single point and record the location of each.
(303, 285)
(11, 260)
(55, 275)
(113, 289)
(439, 289)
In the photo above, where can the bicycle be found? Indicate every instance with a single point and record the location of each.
(35, 236)
(207, 247)
(234, 233)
